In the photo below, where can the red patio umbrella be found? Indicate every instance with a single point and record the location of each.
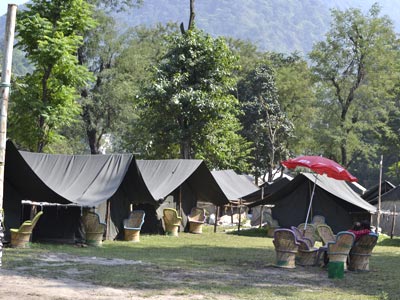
(320, 165)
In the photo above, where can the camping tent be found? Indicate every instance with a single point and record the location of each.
(333, 199)
(371, 195)
(389, 201)
(266, 189)
(234, 186)
(110, 183)
(180, 184)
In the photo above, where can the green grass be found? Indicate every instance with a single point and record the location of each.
(223, 264)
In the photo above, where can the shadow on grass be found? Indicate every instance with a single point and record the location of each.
(251, 232)
(235, 265)
(390, 242)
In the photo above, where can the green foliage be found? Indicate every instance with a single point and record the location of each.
(264, 123)
(190, 97)
(356, 73)
(45, 100)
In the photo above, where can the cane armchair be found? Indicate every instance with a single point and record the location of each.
(172, 221)
(20, 237)
(133, 225)
(338, 251)
(325, 233)
(286, 247)
(196, 219)
(94, 229)
(361, 252)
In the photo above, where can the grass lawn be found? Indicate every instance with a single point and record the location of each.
(222, 265)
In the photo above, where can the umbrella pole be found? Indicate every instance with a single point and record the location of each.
(309, 207)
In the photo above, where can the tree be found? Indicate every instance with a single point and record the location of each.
(189, 95)
(101, 109)
(293, 80)
(50, 33)
(356, 73)
(264, 123)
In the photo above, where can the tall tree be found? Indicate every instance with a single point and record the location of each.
(356, 72)
(190, 94)
(264, 122)
(101, 110)
(50, 33)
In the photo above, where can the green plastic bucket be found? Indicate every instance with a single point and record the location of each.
(336, 269)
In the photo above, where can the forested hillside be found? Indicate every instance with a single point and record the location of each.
(280, 26)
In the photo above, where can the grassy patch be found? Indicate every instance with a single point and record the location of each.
(227, 264)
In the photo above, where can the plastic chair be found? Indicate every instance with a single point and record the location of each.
(286, 247)
(133, 225)
(361, 252)
(172, 221)
(94, 229)
(21, 237)
(196, 219)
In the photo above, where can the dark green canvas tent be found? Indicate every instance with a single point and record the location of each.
(390, 202)
(333, 199)
(234, 186)
(110, 183)
(180, 184)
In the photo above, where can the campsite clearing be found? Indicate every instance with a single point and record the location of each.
(216, 266)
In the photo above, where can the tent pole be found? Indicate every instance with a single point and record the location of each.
(5, 90)
(216, 218)
(108, 220)
(393, 221)
(262, 207)
(309, 206)
(378, 218)
(240, 214)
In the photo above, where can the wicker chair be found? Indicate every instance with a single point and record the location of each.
(361, 252)
(309, 232)
(94, 229)
(196, 219)
(286, 247)
(325, 233)
(21, 237)
(318, 219)
(300, 236)
(133, 225)
(338, 251)
(171, 221)
(306, 255)
(272, 224)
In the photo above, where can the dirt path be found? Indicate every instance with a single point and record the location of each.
(17, 284)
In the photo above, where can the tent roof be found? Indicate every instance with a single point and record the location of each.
(337, 188)
(233, 185)
(391, 195)
(87, 180)
(162, 177)
(372, 193)
(269, 188)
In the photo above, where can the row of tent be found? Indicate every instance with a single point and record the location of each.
(64, 185)
(114, 184)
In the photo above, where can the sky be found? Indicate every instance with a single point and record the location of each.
(4, 5)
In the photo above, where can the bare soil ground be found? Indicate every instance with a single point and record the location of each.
(18, 284)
